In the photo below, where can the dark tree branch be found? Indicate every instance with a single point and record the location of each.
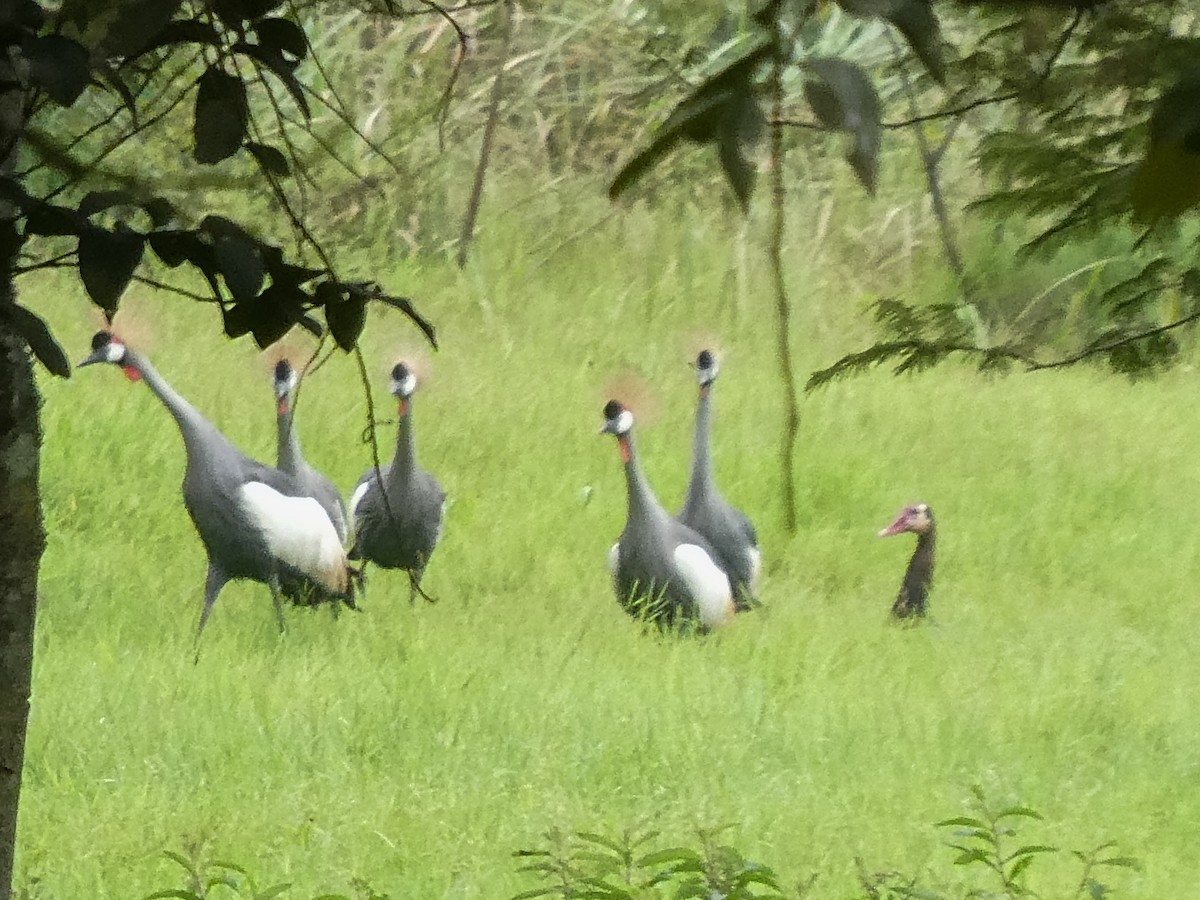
(1116, 344)
(443, 106)
(485, 144)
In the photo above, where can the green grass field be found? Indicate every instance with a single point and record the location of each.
(417, 748)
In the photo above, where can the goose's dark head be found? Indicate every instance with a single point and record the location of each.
(617, 419)
(917, 518)
(706, 368)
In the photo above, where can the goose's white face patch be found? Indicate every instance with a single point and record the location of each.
(404, 387)
(114, 352)
(707, 583)
(298, 532)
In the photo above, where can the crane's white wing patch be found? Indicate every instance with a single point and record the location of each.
(708, 584)
(755, 559)
(298, 532)
(356, 497)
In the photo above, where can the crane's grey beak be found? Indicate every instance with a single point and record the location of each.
(96, 356)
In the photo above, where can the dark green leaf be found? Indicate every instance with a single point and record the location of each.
(107, 261)
(404, 304)
(280, 68)
(717, 106)
(161, 211)
(112, 78)
(1167, 182)
(670, 855)
(918, 23)
(234, 12)
(59, 66)
(173, 894)
(1124, 862)
(183, 31)
(618, 847)
(37, 335)
(51, 221)
(1027, 812)
(346, 319)
(98, 201)
(175, 246)
(844, 98)
(282, 36)
(269, 158)
(221, 116)
(135, 24)
(240, 265)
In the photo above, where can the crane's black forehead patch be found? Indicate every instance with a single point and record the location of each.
(399, 371)
(283, 370)
(100, 340)
(612, 409)
(705, 360)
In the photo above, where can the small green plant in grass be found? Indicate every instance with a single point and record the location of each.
(636, 867)
(988, 840)
(214, 880)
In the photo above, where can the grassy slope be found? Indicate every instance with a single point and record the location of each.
(416, 748)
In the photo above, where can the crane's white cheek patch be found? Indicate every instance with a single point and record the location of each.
(754, 557)
(298, 532)
(708, 584)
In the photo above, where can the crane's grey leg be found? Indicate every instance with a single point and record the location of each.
(213, 582)
(273, 584)
(414, 585)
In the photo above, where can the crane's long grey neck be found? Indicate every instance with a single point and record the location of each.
(193, 426)
(406, 444)
(288, 445)
(701, 453)
(641, 497)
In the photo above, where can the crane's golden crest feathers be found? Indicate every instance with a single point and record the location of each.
(701, 339)
(293, 348)
(416, 358)
(634, 393)
(132, 325)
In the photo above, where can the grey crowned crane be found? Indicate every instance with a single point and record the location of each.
(727, 529)
(398, 510)
(255, 522)
(662, 570)
(288, 456)
(918, 519)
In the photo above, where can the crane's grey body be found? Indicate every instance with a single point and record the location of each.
(662, 569)
(220, 487)
(290, 459)
(727, 529)
(398, 510)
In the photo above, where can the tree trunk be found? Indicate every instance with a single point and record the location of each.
(21, 543)
(21, 537)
